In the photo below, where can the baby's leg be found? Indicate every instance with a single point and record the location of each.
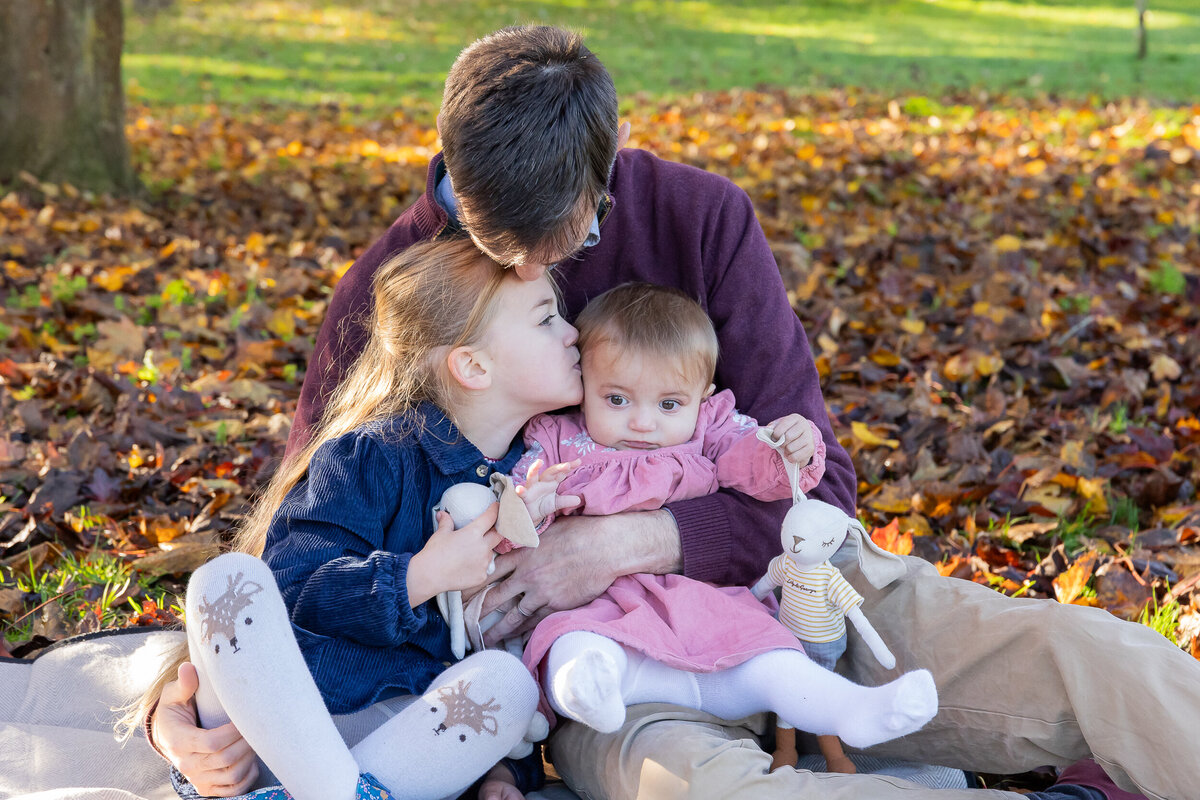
(812, 698)
(252, 672)
(473, 714)
(591, 679)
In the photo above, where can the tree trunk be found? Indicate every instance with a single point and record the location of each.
(1141, 9)
(62, 103)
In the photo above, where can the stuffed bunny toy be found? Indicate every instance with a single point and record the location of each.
(464, 502)
(817, 599)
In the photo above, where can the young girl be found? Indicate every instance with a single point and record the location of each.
(649, 432)
(337, 614)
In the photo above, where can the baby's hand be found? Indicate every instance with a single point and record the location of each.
(541, 487)
(798, 442)
(453, 559)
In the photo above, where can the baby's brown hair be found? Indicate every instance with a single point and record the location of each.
(656, 320)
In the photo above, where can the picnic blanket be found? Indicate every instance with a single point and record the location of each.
(57, 713)
(58, 709)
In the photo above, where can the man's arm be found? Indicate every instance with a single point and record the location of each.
(766, 360)
(578, 558)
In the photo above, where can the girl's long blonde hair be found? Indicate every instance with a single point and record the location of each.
(428, 300)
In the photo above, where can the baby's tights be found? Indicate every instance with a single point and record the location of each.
(591, 679)
(251, 672)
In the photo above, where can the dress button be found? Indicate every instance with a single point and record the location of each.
(481, 470)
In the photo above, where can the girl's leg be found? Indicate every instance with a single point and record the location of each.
(473, 714)
(252, 672)
(591, 679)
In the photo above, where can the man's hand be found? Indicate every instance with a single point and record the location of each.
(218, 762)
(577, 559)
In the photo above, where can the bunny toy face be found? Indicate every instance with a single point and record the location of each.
(812, 532)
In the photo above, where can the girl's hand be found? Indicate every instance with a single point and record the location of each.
(540, 490)
(799, 444)
(498, 785)
(453, 559)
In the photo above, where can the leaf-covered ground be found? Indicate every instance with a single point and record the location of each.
(1003, 300)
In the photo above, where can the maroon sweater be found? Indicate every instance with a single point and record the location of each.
(673, 225)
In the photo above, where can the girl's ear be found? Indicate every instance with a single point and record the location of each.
(469, 368)
(712, 387)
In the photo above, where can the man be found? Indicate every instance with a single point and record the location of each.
(534, 171)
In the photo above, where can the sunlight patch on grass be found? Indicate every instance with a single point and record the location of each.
(1074, 16)
(255, 52)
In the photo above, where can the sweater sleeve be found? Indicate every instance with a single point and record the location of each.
(326, 547)
(743, 461)
(728, 537)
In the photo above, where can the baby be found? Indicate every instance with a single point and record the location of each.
(650, 431)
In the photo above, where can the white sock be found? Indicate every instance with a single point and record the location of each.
(812, 698)
(584, 677)
(591, 679)
(473, 714)
(241, 641)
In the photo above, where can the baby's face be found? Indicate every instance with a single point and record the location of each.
(636, 402)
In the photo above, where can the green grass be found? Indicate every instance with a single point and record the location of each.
(95, 583)
(381, 55)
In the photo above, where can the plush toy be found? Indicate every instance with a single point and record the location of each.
(816, 598)
(464, 502)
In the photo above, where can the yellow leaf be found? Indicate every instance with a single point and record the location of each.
(1092, 489)
(891, 499)
(988, 365)
(885, 358)
(112, 280)
(959, 367)
(913, 326)
(282, 323)
(1007, 244)
(1049, 497)
(867, 437)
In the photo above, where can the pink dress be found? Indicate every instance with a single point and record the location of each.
(670, 618)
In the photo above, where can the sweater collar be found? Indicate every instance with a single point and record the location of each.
(450, 451)
(431, 218)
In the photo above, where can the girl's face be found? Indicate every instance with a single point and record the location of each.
(532, 348)
(633, 401)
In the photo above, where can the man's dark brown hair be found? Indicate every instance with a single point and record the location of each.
(529, 133)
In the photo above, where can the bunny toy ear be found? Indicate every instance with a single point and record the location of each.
(513, 522)
(793, 470)
(877, 565)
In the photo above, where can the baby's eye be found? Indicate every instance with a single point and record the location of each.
(616, 400)
(669, 405)
(549, 318)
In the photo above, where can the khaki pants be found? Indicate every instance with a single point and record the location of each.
(1022, 683)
